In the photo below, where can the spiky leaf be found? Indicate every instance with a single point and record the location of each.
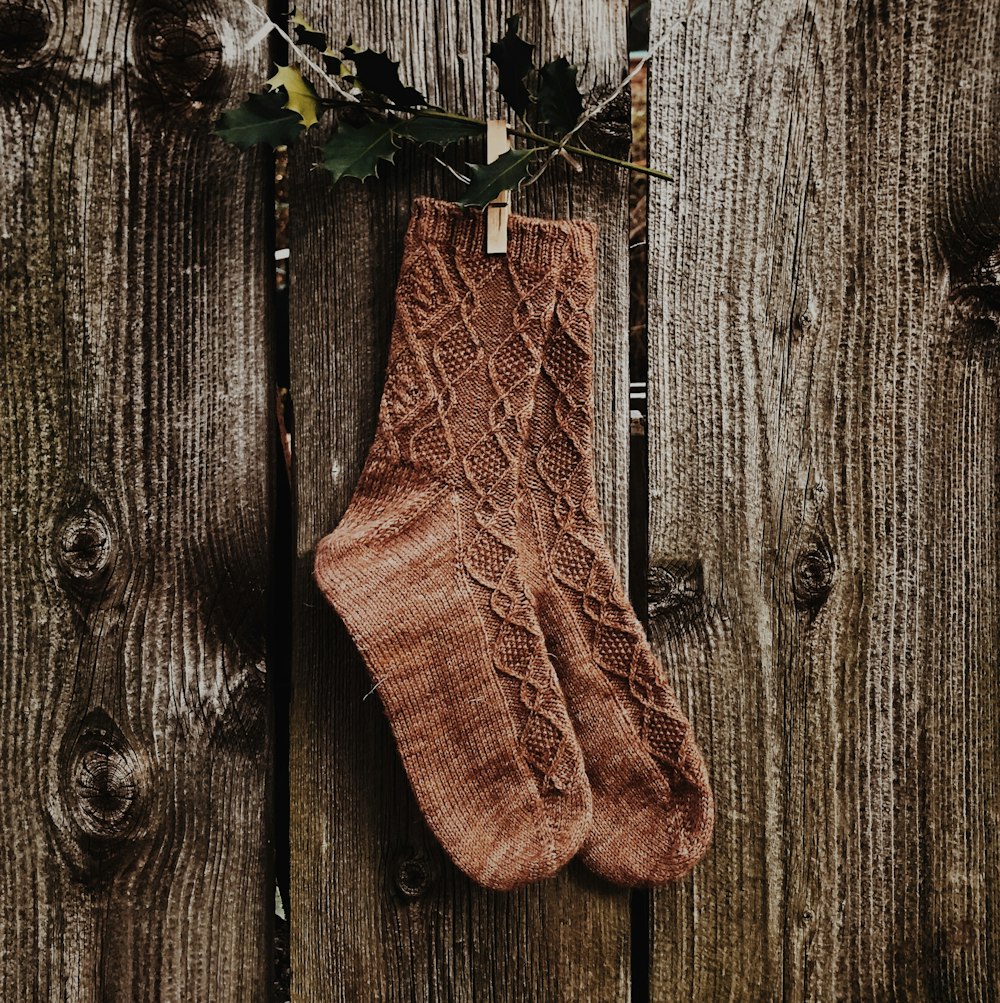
(512, 56)
(302, 98)
(560, 103)
(488, 180)
(262, 118)
(377, 73)
(306, 34)
(355, 152)
(440, 131)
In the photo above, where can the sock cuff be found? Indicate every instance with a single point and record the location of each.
(551, 243)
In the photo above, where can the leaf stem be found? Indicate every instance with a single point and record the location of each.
(580, 151)
(553, 144)
(450, 115)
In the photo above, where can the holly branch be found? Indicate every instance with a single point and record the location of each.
(374, 112)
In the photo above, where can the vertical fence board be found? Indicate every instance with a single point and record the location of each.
(134, 509)
(377, 911)
(823, 541)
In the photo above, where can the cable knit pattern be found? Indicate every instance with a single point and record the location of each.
(653, 808)
(457, 651)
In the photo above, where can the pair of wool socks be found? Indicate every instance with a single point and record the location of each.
(531, 716)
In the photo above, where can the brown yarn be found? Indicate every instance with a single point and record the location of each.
(473, 548)
(653, 808)
(423, 566)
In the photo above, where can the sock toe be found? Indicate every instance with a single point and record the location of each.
(645, 839)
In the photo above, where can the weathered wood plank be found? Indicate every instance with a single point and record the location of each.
(824, 538)
(134, 509)
(378, 912)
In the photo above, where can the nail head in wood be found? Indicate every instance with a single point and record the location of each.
(414, 874)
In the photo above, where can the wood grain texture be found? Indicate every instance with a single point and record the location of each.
(378, 911)
(134, 509)
(823, 461)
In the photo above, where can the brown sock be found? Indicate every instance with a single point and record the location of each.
(423, 566)
(653, 809)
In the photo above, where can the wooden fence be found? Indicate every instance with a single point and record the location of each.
(823, 552)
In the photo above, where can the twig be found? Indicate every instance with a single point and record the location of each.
(559, 147)
(451, 170)
(554, 144)
(604, 102)
(599, 107)
(334, 82)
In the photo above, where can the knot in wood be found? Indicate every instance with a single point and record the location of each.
(179, 52)
(613, 121)
(413, 874)
(812, 576)
(85, 548)
(24, 30)
(974, 301)
(675, 588)
(105, 780)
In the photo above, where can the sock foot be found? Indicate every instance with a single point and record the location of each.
(424, 568)
(653, 807)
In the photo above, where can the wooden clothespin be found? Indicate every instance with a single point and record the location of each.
(497, 211)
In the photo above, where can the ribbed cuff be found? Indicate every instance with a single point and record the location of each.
(549, 242)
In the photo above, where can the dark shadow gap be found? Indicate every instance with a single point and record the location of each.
(283, 547)
(639, 902)
(638, 40)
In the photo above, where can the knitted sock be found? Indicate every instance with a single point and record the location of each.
(423, 566)
(653, 809)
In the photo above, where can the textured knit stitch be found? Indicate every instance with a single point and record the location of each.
(423, 566)
(653, 808)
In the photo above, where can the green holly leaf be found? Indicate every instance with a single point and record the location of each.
(377, 73)
(440, 131)
(506, 172)
(355, 152)
(302, 97)
(512, 56)
(306, 34)
(262, 118)
(560, 103)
